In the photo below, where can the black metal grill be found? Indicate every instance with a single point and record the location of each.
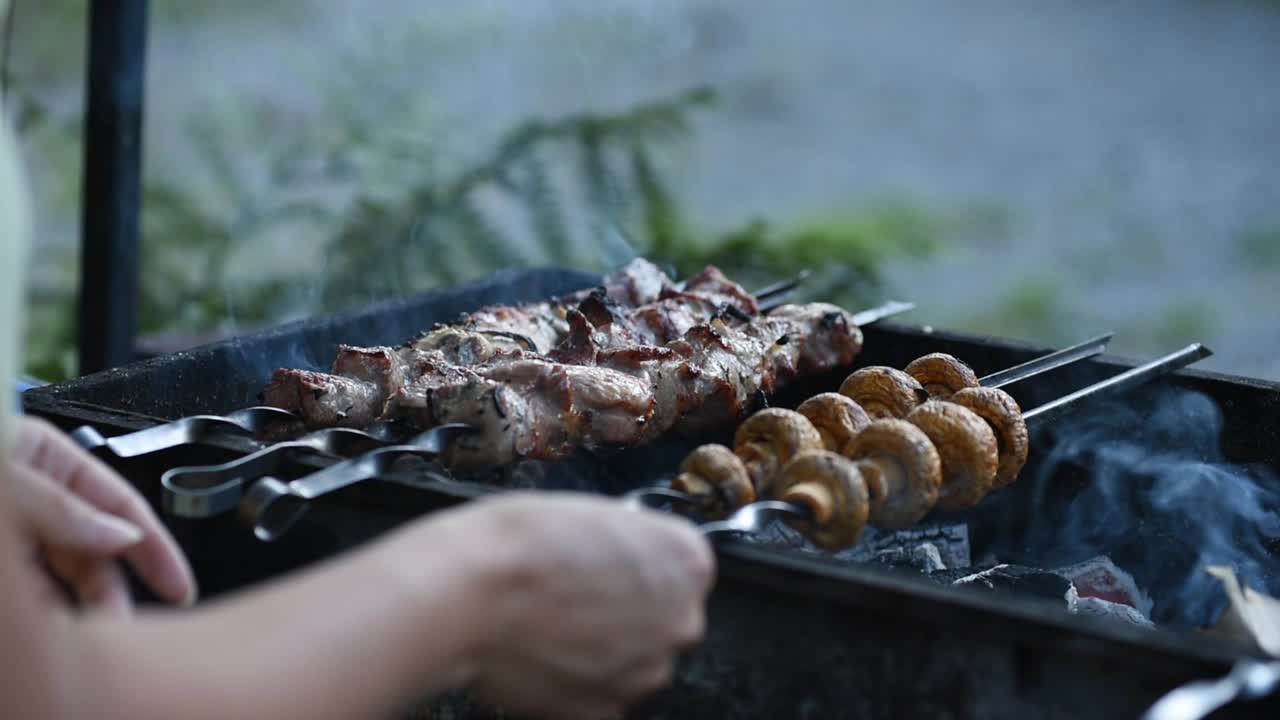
(791, 634)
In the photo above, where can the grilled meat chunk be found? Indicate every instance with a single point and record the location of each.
(541, 409)
(324, 400)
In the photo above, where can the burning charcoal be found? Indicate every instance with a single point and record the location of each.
(923, 557)
(951, 542)
(1100, 578)
(1018, 579)
(927, 549)
(926, 557)
(1097, 607)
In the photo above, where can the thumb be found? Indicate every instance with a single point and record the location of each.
(60, 518)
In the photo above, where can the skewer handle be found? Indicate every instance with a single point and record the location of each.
(188, 430)
(1119, 383)
(273, 507)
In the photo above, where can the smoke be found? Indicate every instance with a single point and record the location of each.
(1162, 501)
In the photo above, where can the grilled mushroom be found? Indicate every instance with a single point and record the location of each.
(967, 447)
(716, 478)
(769, 439)
(1004, 416)
(833, 490)
(883, 392)
(941, 374)
(902, 471)
(836, 418)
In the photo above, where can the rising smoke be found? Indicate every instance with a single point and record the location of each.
(1162, 501)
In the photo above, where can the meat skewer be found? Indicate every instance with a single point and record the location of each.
(540, 410)
(817, 490)
(370, 384)
(636, 283)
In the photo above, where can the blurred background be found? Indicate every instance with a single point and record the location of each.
(1045, 173)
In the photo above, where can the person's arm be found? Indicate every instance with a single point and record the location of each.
(337, 641)
(545, 602)
(341, 639)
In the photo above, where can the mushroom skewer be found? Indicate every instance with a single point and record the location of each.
(833, 520)
(716, 480)
(887, 392)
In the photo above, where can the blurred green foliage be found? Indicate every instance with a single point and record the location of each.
(1259, 247)
(268, 218)
(1032, 307)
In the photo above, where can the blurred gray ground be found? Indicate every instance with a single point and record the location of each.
(1132, 146)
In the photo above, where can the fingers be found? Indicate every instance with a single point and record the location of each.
(157, 558)
(98, 583)
(60, 518)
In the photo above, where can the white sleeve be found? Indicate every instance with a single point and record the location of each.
(15, 238)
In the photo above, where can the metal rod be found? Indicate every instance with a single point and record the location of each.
(1043, 364)
(1119, 383)
(112, 183)
(785, 286)
(893, 307)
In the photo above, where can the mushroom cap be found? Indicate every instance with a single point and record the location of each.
(883, 392)
(902, 469)
(769, 439)
(1004, 416)
(836, 418)
(833, 490)
(967, 447)
(717, 479)
(941, 374)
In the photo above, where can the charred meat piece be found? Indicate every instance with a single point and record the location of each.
(325, 400)
(538, 327)
(713, 285)
(540, 409)
(630, 309)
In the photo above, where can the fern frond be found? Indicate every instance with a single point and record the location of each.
(545, 207)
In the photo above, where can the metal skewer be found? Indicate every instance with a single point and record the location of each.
(880, 312)
(773, 296)
(758, 515)
(250, 421)
(785, 286)
(207, 490)
(1119, 383)
(274, 506)
(1043, 364)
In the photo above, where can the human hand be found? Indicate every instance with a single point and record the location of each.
(602, 601)
(80, 518)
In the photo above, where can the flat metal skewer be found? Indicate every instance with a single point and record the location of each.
(1045, 363)
(1119, 383)
(783, 286)
(274, 506)
(247, 421)
(206, 490)
(880, 312)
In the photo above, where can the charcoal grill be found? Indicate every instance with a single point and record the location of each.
(790, 634)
